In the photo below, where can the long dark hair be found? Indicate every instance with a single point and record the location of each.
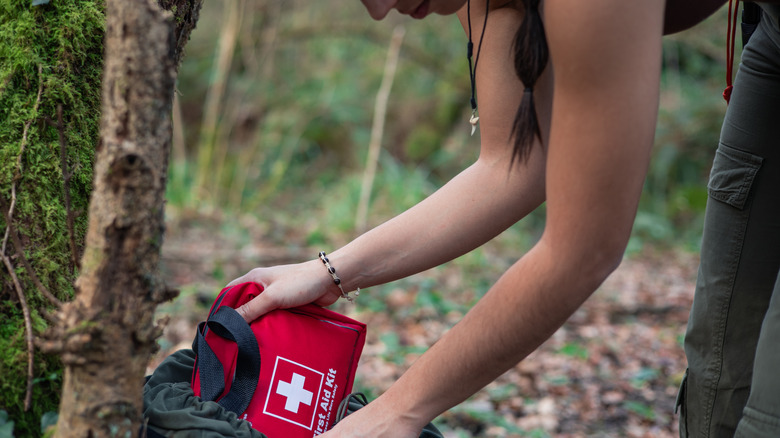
(531, 55)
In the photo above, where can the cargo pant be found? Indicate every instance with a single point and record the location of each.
(732, 386)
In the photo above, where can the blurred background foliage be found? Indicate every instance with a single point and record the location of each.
(275, 104)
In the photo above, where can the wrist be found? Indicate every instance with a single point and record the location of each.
(343, 291)
(403, 414)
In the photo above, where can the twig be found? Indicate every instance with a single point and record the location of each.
(9, 232)
(10, 211)
(206, 168)
(29, 122)
(227, 124)
(52, 319)
(20, 253)
(246, 40)
(270, 37)
(375, 144)
(367, 34)
(66, 176)
(179, 144)
(10, 214)
(27, 330)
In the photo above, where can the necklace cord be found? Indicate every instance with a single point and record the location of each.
(470, 51)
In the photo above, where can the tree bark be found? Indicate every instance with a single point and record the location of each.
(107, 334)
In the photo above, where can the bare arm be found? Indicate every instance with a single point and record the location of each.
(604, 112)
(469, 210)
(484, 199)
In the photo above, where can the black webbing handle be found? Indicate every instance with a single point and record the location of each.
(228, 324)
(751, 16)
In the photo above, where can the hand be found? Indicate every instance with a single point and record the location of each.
(374, 420)
(288, 286)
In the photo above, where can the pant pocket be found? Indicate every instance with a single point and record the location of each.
(732, 175)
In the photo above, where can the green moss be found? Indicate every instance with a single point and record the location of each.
(58, 46)
(47, 381)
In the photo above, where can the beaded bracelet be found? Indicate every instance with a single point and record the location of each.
(336, 279)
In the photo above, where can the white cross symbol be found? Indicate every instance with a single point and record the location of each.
(294, 392)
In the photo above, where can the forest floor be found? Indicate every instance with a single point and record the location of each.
(612, 370)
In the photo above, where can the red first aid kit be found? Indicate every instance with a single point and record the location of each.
(286, 372)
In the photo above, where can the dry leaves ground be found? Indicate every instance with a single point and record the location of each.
(611, 371)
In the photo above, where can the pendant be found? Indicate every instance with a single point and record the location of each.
(473, 120)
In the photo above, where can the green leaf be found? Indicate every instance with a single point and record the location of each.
(574, 350)
(48, 419)
(7, 430)
(40, 2)
(643, 409)
(6, 426)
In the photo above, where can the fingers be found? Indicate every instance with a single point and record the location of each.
(253, 276)
(239, 280)
(262, 276)
(257, 307)
(287, 286)
(265, 302)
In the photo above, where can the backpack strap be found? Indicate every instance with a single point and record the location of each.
(751, 16)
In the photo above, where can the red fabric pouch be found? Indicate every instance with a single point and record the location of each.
(286, 372)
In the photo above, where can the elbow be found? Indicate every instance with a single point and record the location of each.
(602, 260)
(588, 265)
(593, 268)
(605, 260)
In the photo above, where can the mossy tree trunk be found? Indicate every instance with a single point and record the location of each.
(107, 333)
(51, 57)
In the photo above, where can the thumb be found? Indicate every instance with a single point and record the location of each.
(257, 307)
